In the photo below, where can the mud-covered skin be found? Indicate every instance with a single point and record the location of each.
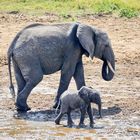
(45, 49)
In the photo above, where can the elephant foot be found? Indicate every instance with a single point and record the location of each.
(21, 108)
(99, 117)
(81, 125)
(91, 125)
(70, 125)
(57, 122)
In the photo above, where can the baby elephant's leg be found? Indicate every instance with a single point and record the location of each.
(58, 118)
(89, 111)
(70, 122)
(83, 110)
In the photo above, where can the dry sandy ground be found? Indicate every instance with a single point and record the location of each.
(121, 96)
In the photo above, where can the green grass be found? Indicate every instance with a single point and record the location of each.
(72, 8)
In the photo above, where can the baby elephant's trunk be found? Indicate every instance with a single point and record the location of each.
(100, 109)
(99, 103)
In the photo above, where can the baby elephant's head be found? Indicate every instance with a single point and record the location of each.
(91, 96)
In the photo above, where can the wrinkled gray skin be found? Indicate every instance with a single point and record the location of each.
(40, 50)
(79, 100)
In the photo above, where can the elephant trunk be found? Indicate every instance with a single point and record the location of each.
(99, 104)
(100, 110)
(108, 70)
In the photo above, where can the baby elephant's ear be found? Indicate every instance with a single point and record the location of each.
(81, 91)
(86, 37)
(84, 94)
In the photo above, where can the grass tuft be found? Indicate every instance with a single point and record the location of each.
(129, 13)
(64, 8)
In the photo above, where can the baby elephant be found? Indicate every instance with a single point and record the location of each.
(82, 100)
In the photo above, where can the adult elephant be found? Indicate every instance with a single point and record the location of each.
(39, 50)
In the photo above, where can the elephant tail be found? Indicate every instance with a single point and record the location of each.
(10, 55)
(58, 106)
(11, 87)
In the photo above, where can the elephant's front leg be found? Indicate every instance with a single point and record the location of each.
(89, 111)
(83, 110)
(66, 75)
(79, 75)
(64, 83)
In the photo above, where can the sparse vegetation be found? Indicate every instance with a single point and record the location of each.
(64, 8)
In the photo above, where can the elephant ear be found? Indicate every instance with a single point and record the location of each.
(84, 94)
(86, 35)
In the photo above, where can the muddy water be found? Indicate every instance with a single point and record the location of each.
(40, 125)
(34, 125)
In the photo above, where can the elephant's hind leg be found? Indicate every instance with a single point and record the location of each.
(58, 118)
(70, 122)
(19, 78)
(34, 77)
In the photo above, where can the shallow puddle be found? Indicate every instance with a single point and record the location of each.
(40, 125)
(25, 126)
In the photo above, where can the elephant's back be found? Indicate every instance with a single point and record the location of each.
(71, 99)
